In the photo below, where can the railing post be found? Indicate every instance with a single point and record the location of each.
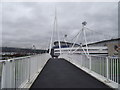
(107, 69)
(90, 62)
(12, 73)
(29, 65)
(3, 76)
(81, 61)
(37, 64)
(15, 74)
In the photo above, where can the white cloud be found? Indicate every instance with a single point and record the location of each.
(27, 23)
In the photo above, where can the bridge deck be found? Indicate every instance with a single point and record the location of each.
(58, 73)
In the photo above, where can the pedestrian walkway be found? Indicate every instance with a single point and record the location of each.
(59, 73)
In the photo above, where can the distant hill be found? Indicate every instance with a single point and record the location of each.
(21, 50)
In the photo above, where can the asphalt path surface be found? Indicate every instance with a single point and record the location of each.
(59, 73)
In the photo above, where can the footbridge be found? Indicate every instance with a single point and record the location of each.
(67, 71)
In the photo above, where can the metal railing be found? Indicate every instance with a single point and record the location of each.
(114, 69)
(17, 72)
(106, 67)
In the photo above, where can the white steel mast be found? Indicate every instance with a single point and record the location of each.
(83, 29)
(56, 28)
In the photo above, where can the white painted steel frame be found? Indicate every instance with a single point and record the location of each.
(21, 72)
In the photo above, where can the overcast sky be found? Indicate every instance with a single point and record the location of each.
(25, 24)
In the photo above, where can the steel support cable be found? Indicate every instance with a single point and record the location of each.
(76, 39)
(87, 54)
(79, 33)
(75, 36)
